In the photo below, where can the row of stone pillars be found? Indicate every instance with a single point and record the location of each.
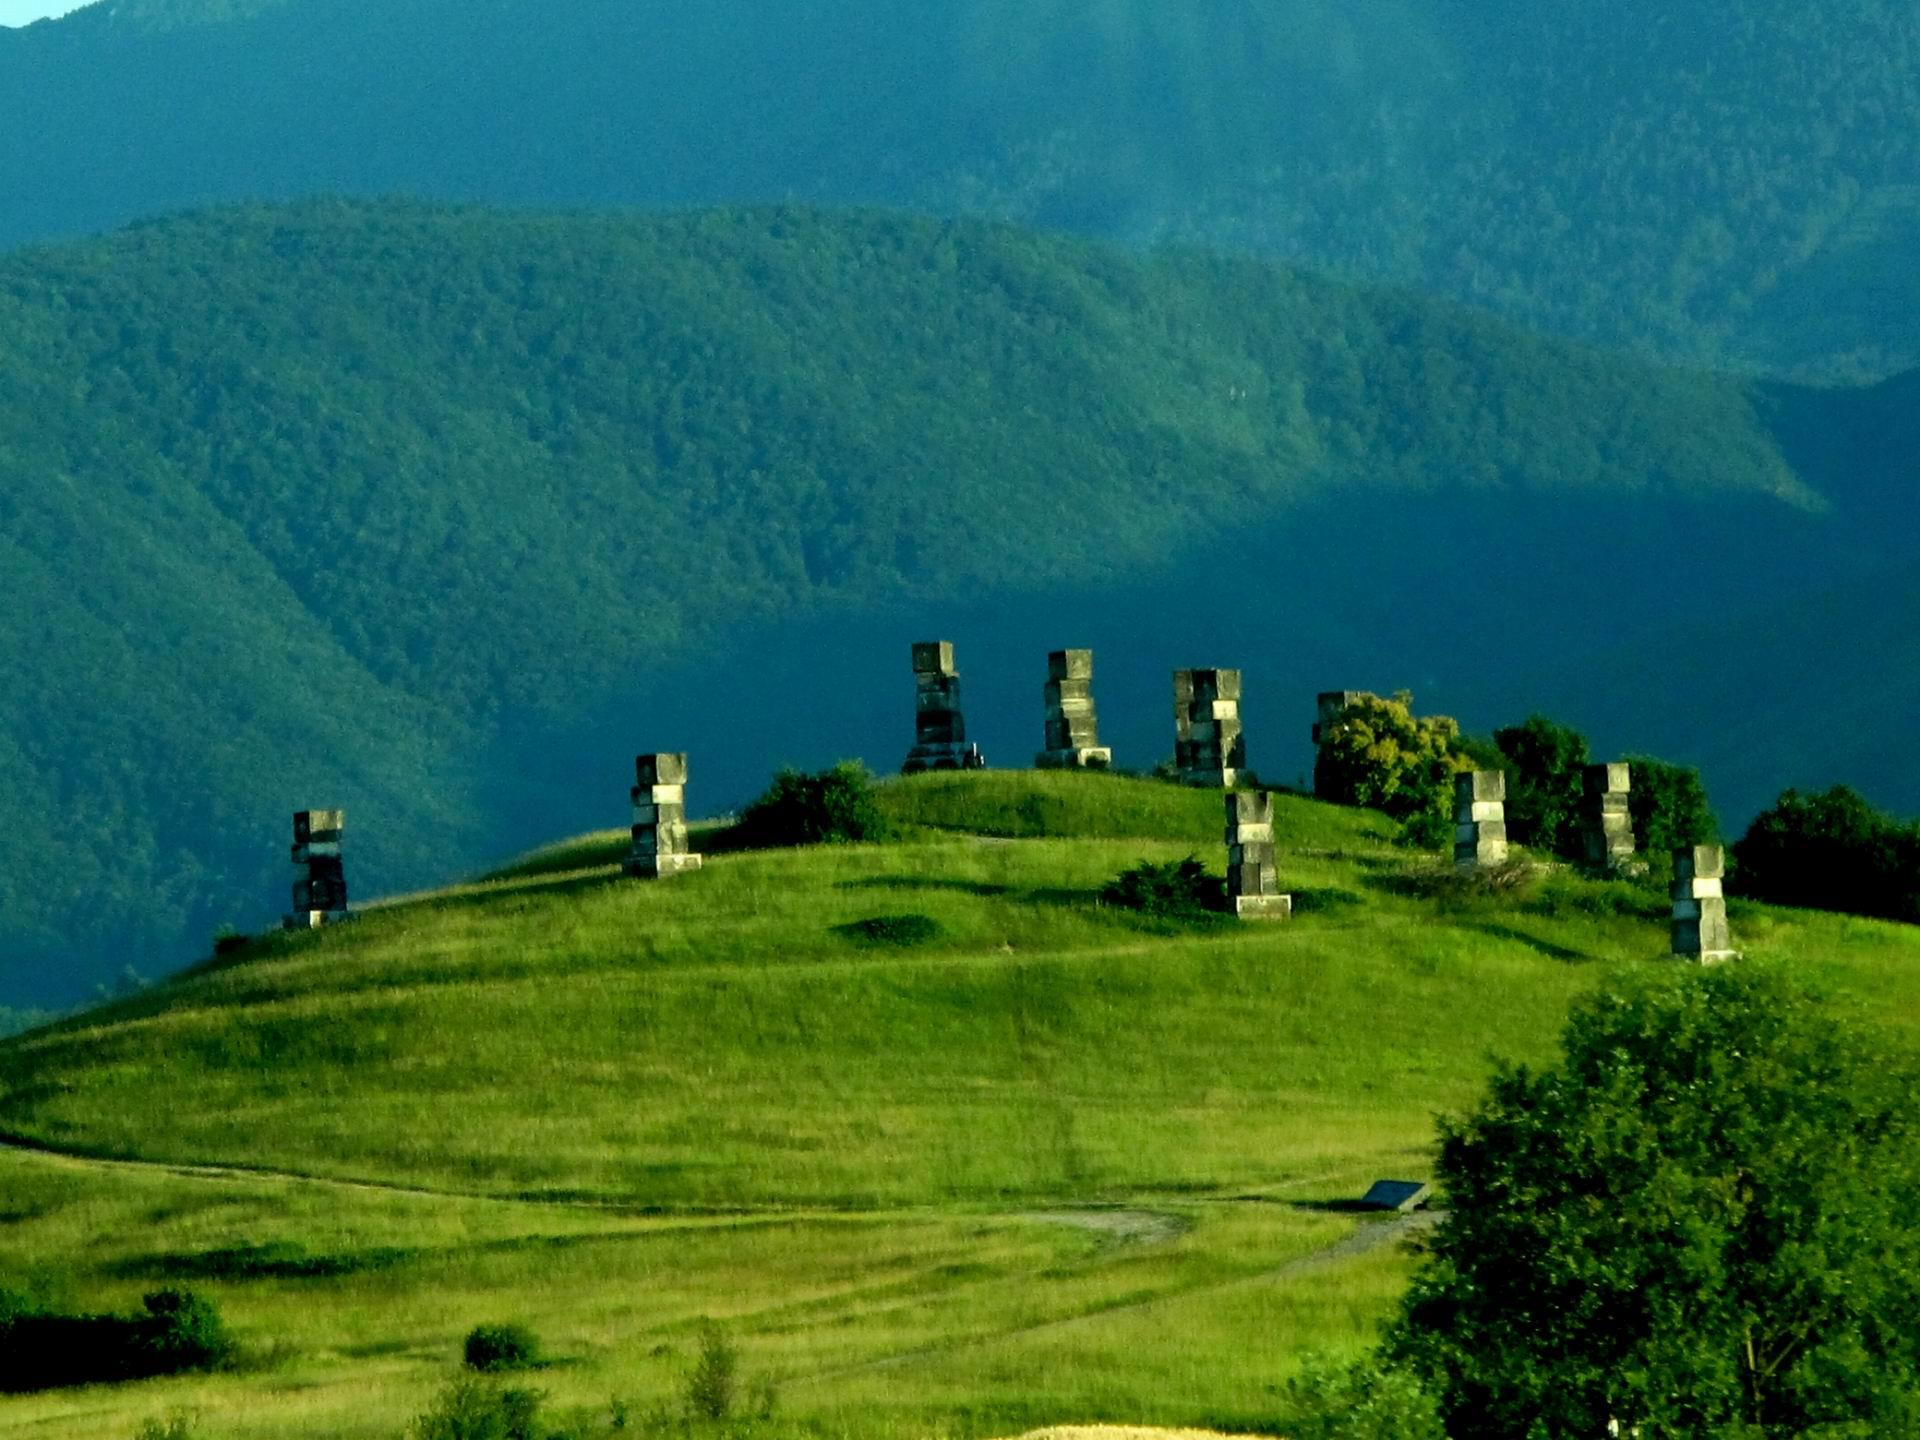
(1209, 747)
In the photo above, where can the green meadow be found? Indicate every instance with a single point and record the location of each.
(1051, 1162)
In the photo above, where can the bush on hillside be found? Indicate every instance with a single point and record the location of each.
(1328, 1400)
(1379, 754)
(1698, 1222)
(494, 1348)
(1669, 807)
(834, 806)
(1832, 851)
(40, 1349)
(714, 1383)
(1179, 889)
(473, 1409)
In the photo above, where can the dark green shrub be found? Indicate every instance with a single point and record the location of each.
(712, 1386)
(1832, 851)
(472, 1409)
(832, 807)
(1546, 782)
(494, 1348)
(896, 930)
(1180, 889)
(1333, 1401)
(1670, 809)
(182, 1331)
(41, 1350)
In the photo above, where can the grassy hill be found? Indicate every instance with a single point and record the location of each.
(1719, 192)
(1056, 1162)
(427, 512)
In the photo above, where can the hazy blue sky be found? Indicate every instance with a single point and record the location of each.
(19, 12)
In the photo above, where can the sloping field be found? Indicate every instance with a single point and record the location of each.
(1057, 1163)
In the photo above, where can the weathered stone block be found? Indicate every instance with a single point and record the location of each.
(1082, 758)
(1486, 830)
(662, 769)
(1249, 807)
(1074, 665)
(1252, 880)
(316, 850)
(1703, 862)
(1216, 685)
(1698, 889)
(1480, 785)
(1063, 692)
(660, 795)
(1479, 853)
(659, 814)
(1251, 852)
(933, 657)
(1262, 907)
(312, 825)
(1480, 812)
(660, 867)
(1614, 779)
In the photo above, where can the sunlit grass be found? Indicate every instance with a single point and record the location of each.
(608, 1109)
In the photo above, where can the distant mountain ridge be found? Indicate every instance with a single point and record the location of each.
(1717, 185)
(443, 514)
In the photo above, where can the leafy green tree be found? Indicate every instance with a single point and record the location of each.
(1699, 1223)
(1669, 807)
(1832, 851)
(1546, 764)
(1378, 753)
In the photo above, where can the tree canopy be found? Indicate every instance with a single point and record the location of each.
(1700, 1222)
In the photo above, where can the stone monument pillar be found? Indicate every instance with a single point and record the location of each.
(1253, 879)
(1073, 730)
(1606, 822)
(1700, 906)
(1209, 749)
(660, 844)
(1480, 819)
(940, 731)
(319, 877)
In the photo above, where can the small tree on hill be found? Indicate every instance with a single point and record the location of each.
(1546, 763)
(1379, 754)
(1699, 1223)
(1832, 851)
(1669, 807)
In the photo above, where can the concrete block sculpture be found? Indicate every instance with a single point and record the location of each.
(1253, 877)
(1700, 905)
(319, 874)
(1073, 730)
(1209, 748)
(660, 841)
(940, 730)
(1606, 820)
(1480, 819)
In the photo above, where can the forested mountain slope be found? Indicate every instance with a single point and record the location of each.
(443, 515)
(1723, 183)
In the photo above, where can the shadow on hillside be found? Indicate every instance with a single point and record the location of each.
(1534, 943)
